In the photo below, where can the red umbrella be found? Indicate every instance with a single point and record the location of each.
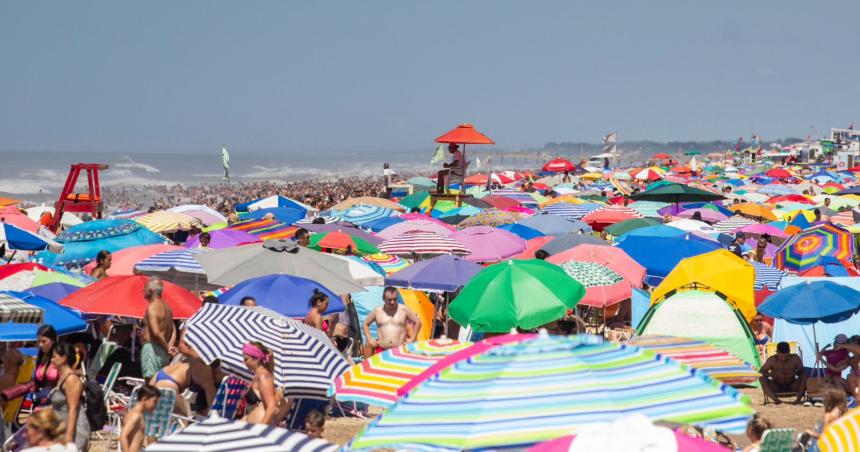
(124, 260)
(11, 269)
(465, 133)
(611, 214)
(500, 202)
(778, 173)
(123, 296)
(661, 156)
(559, 166)
(790, 198)
(532, 245)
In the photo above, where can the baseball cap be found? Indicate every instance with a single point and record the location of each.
(841, 339)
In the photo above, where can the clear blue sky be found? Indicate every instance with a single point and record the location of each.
(313, 75)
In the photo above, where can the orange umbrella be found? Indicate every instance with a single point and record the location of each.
(754, 210)
(7, 201)
(532, 245)
(465, 133)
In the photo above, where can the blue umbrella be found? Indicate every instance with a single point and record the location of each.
(381, 223)
(818, 301)
(284, 294)
(19, 239)
(64, 320)
(54, 291)
(81, 243)
(271, 201)
(524, 232)
(659, 230)
(553, 224)
(659, 255)
(286, 215)
(443, 273)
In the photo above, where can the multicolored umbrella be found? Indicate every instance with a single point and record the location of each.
(611, 214)
(603, 287)
(377, 379)
(571, 211)
(716, 363)
(265, 229)
(626, 226)
(515, 392)
(387, 262)
(341, 241)
(490, 217)
(178, 267)
(803, 250)
(423, 224)
(206, 214)
(610, 257)
(732, 224)
(83, 242)
(422, 243)
(841, 435)
(124, 260)
(362, 213)
(487, 244)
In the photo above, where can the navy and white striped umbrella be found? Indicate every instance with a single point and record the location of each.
(571, 211)
(177, 266)
(765, 275)
(306, 361)
(215, 434)
(13, 309)
(732, 224)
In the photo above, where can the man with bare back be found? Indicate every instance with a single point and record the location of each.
(159, 332)
(395, 324)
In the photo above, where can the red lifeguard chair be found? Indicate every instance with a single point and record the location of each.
(89, 202)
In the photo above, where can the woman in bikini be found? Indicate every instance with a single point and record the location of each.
(314, 317)
(180, 375)
(762, 332)
(103, 261)
(262, 400)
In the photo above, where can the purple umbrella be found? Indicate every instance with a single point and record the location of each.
(708, 215)
(223, 238)
(345, 228)
(54, 291)
(489, 244)
(443, 273)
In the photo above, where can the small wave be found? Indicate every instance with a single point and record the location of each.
(23, 187)
(128, 163)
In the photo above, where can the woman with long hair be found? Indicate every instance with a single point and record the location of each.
(262, 400)
(45, 376)
(67, 398)
(319, 304)
(103, 261)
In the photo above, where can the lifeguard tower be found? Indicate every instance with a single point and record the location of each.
(463, 134)
(83, 202)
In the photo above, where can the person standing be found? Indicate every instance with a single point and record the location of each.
(67, 398)
(159, 330)
(392, 324)
(737, 245)
(103, 261)
(319, 304)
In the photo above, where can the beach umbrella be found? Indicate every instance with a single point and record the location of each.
(570, 211)
(671, 251)
(841, 435)
(273, 201)
(231, 266)
(610, 257)
(341, 241)
(54, 291)
(64, 320)
(83, 242)
(16, 238)
(178, 267)
(524, 232)
(207, 215)
(696, 226)
(515, 392)
(216, 434)
(387, 262)
(422, 243)
(11, 215)
(367, 201)
(676, 193)
(417, 225)
(713, 361)
(444, 273)
(287, 215)
(815, 301)
(14, 309)
(487, 244)
(803, 250)
(778, 189)
(22, 277)
(364, 273)
(464, 133)
(326, 219)
(35, 213)
(123, 296)
(766, 276)
(732, 224)
(360, 214)
(550, 224)
(515, 294)
(603, 286)
(223, 238)
(623, 227)
(757, 229)
(124, 260)
(567, 241)
(790, 198)
(500, 202)
(660, 230)
(778, 173)
(607, 215)
(165, 221)
(647, 174)
(490, 217)
(708, 215)
(532, 246)
(377, 379)
(421, 182)
(306, 360)
(345, 228)
(558, 165)
(648, 208)
(381, 223)
(287, 295)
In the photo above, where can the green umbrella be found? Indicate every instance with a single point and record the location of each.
(676, 193)
(623, 227)
(340, 240)
(692, 153)
(414, 200)
(516, 294)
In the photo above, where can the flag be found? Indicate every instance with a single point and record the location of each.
(438, 155)
(225, 162)
(610, 138)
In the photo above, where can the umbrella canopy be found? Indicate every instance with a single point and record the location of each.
(207, 215)
(287, 295)
(11, 215)
(14, 309)
(532, 246)
(178, 267)
(231, 266)
(387, 262)
(124, 260)
(708, 215)
(754, 211)
(802, 251)
(676, 193)
(360, 214)
(565, 242)
(54, 291)
(64, 321)
(693, 226)
(524, 232)
(165, 221)
(22, 277)
(418, 225)
(265, 229)
(570, 211)
(20, 239)
(465, 133)
(377, 379)
(287, 215)
(815, 301)
(843, 434)
(607, 215)
(381, 223)
(714, 362)
(223, 238)
(487, 244)
(35, 213)
(273, 201)
(123, 296)
(626, 226)
(515, 294)
(216, 434)
(422, 243)
(559, 165)
(306, 361)
(523, 390)
(348, 229)
(554, 225)
(444, 273)
(611, 257)
(672, 250)
(603, 286)
(490, 217)
(367, 201)
(733, 223)
(341, 241)
(83, 242)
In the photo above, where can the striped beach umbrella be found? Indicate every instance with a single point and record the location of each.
(611, 214)
(387, 262)
(423, 224)
(716, 363)
(327, 219)
(569, 210)
(362, 213)
(177, 266)
(306, 361)
(167, 221)
(377, 379)
(218, 434)
(13, 309)
(842, 435)
(422, 243)
(265, 229)
(515, 391)
(765, 275)
(732, 224)
(648, 208)
(803, 250)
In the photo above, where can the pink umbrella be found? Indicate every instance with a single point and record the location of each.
(684, 443)
(489, 244)
(532, 245)
(609, 256)
(759, 229)
(424, 224)
(123, 261)
(521, 209)
(224, 238)
(711, 216)
(13, 216)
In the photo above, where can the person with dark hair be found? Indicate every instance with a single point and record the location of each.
(262, 400)
(103, 261)
(212, 299)
(132, 436)
(319, 304)
(456, 167)
(393, 327)
(67, 398)
(737, 245)
(45, 376)
(248, 301)
(303, 237)
(318, 220)
(205, 239)
(315, 424)
(783, 373)
(541, 254)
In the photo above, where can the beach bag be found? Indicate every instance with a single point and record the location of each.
(94, 403)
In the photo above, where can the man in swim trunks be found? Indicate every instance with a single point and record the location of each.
(392, 329)
(159, 332)
(783, 372)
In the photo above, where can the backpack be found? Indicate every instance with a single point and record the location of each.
(94, 403)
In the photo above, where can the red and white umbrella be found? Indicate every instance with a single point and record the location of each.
(647, 174)
(418, 243)
(559, 166)
(611, 214)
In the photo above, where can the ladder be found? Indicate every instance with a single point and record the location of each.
(89, 202)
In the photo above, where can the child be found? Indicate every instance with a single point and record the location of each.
(755, 430)
(315, 424)
(132, 435)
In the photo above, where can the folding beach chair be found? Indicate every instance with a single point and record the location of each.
(770, 350)
(777, 440)
(104, 351)
(25, 374)
(111, 398)
(228, 397)
(156, 424)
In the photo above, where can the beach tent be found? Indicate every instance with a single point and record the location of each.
(705, 316)
(273, 201)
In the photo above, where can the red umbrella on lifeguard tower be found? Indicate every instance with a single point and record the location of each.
(464, 134)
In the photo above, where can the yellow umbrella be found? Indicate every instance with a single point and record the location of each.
(718, 270)
(368, 201)
(843, 434)
(167, 221)
(420, 303)
(566, 198)
(751, 209)
(592, 176)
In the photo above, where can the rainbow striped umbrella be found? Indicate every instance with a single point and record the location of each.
(803, 250)
(377, 379)
(716, 363)
(265, 229)
(387, 262)
(517, 390)
(422, 243)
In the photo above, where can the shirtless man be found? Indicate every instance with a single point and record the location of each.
(783, 373)
(132, 435)
(391, 324)
(159, 333)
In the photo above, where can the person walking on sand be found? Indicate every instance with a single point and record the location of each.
(392, 324)
(159, 332)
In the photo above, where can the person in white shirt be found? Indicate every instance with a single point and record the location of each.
(457, 166)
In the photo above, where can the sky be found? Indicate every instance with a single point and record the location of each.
(316, 76)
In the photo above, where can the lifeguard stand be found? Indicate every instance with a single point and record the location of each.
(70, 201)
